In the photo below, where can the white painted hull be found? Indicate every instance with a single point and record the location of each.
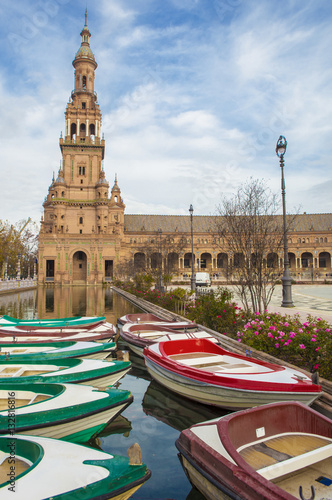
(107, 380)
(223, 397)
(76, 426)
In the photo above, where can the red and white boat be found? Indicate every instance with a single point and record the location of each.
(280, 451)
(205, 372)
(139, 336)
(99, 333)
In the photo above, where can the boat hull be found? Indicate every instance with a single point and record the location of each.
(103, 331)
(62, 411)
(21, 352)
(223, 397)
(70, 322)
(97, 373)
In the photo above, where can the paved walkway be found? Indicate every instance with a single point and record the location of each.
(308, 299)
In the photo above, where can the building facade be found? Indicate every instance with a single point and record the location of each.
(86, 237)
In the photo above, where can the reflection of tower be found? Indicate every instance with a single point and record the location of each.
(77, 241)
(18, 276)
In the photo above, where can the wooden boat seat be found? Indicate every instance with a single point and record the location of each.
(286, 453)
(20, 466)
(38, 398)
(193, 355)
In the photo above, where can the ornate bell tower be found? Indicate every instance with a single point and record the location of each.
(82, 227)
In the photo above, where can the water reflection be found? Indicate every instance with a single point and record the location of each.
(174, 410)
(60, 302)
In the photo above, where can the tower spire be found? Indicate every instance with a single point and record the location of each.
(86, 17)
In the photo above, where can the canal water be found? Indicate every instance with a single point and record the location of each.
(156, 416)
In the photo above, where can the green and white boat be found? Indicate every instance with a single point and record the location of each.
(71, 370)
(50, 469)
(73, 321)
(46, 350)
(64, 411)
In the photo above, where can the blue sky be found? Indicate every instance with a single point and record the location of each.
(194, 95)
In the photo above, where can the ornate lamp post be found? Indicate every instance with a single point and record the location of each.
(286, 278)
(160, 285)
(192, 281)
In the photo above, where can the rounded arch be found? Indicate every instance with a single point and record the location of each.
(238, 260)
(187, 260)
(292, 260)
(156, 260)
(205, 261)
(307, 259)
(73, 131)
(82, 129)
(272, 260)
(324, 260)
(80, 266)
(139, 261)
(172, 262)
(222, 260)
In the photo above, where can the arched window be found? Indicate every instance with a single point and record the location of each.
(84, 82)
(73, 131)
(81, 220)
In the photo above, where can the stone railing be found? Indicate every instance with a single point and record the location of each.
(17, 284)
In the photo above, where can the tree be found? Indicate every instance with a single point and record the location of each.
(251, 230)
(19, 239)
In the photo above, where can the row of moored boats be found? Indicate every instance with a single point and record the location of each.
(273, 446)
(56, 393)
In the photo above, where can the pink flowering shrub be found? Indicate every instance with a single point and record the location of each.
(307, 345)
(217, 311)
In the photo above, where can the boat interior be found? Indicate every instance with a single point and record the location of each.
(6, 466)
(22, 398)
(26, 370)
(292, 460)
(22, 349)
(218, 363)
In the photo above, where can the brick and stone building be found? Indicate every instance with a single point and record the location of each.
(86, 237)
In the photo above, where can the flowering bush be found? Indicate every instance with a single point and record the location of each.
(307, 345)
(217, 311)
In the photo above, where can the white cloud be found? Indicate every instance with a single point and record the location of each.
(193, 99)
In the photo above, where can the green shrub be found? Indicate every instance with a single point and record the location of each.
(306, 344)
(217, 311)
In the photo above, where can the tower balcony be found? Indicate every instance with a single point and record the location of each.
(79, 141)
(85, 91)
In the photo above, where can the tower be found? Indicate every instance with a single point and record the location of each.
(82, 227)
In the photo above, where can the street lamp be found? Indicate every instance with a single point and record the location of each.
(286, 278)
(192, 281)
(161, 285)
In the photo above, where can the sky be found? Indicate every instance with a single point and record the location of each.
(194, 96)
